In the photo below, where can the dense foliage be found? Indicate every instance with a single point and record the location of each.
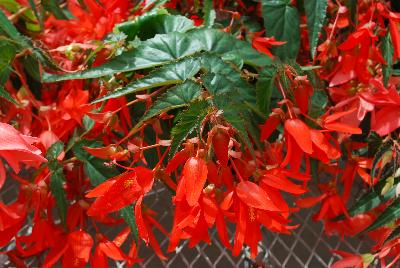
(238, 108)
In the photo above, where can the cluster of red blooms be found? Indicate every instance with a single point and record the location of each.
(217, 181)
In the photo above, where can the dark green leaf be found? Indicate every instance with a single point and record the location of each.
(316, 14)
(98, 172)
(170, 47)
(264, 87)
(31, 66)
(88, 123)
(386, 146)
(179, 96)
(281, 20)
(170, 74)
(154, 52)
(222, 43)
(150, 24)
(236, 115)
(57, 178)
(129, 217)
(373, 199)
(10, 30)
(319, 101)
(57, 189)
(53, 7)
(387, 53)
(391, 214)
(394, 234)
(239, 89)
(5, 95)
(95, 168)
(55, 150)
(187, 122)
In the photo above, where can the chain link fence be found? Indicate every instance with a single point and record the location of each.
(306, 247)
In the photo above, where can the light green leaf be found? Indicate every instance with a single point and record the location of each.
(316, 14)
(209, 13)
(281, 20)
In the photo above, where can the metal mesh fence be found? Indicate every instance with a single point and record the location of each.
(306, 247)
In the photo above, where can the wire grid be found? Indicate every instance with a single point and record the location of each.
(306, 247)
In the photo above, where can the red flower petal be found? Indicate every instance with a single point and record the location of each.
(220, 143)
(281, 183)
(81, 243)
(301, 134)
(254, 196)
(194, 176)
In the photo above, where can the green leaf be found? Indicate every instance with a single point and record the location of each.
(221, 77)
(37, 14)
(31, 66)
(281, 20)
(209, 13)
(55, 150)
(264, 87)
(151, 53)
(394, 234)
(166, 48)
(187, 122)
(217, 84)
(5, 95)
(319, 101)
(130, 219)
(179, 96)
(391, 214)
(57, 179)
(373, 199)
(98, 172)
(53, 7)
(10, 30)
(236, 114)
(170, 74)
(222, 43)
(316, 14)
(150, 24)
(386, 146)
(94, 167)
(387, 53)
